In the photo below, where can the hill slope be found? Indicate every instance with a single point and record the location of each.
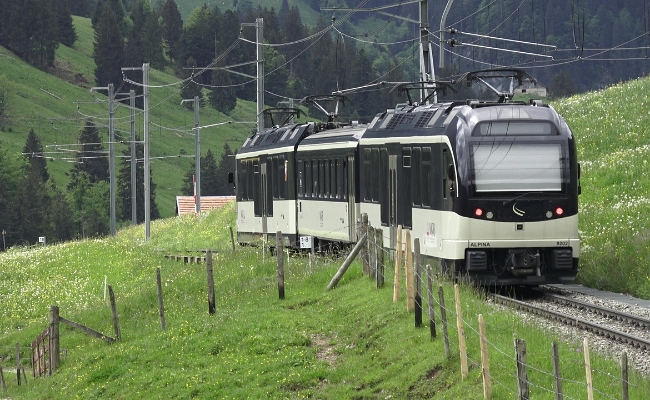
(57, 104)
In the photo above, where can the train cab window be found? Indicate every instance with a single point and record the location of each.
(427, 177)
(415, 175)
(514, 128)
(249, 180)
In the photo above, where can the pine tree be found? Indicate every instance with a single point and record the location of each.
(209, 178)
(226, 166)
(91, 159)
(124, 192)
(222, 95)
(172, 28)
(10, 173)
(59, 214)
(67, 32)
(33, 151)
(108, 49)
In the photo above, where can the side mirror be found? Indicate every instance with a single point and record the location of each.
(451, 173)
(231, 177)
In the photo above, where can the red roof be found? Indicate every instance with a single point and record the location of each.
(185, 204)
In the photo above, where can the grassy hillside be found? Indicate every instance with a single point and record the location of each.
(611, 127)
(57, 104)
(350, 342)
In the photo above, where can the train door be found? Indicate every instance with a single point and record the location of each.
(349, 188)
(392, 199)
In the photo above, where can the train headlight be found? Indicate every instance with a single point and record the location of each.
(559, 211)
(478, 212)
(549, 214)
(489, 215)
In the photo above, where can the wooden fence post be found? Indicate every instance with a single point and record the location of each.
(418, 283)
(398, 264)
(443, 318)
(379, 237)
(556, 372)
(590, 383)
(116, 321)
(232, 240)
(364, 252)
(410, 296)
(2, 381)
(55, 357)
(280, 253)
(624, 376)
(464, 370)
(432, 321)
(211, 300)
(372, 252)
(485, 361)
(522, 373)
(346, 264)
(18, 362)
(161, 307)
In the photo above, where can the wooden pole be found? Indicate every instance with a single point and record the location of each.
(18, 362)
(346, 264)
(485, 361)
(116, 321)
(232, 240)
(464, 370)
(372, 252)
(418, 283)
(2, 381)
(379, 239)
(556, 372)
(443, 318)
(55, 357)
(364, 253)
(280, 253)
(161, 307)
(624, 376)
(210, 276)
(522, 373)
(410, 296)
(590, 383)
(398, 264)
(432, 321)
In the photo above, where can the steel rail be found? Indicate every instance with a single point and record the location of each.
(606, 312)
(573, 321)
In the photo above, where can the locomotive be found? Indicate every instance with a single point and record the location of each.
(490, 188)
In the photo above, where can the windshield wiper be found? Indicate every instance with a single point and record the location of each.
(519, 197)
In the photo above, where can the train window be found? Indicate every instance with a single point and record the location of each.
(367, 178)
(427, 177)
(407, 192)
(344, 184)
(283, 180)
(328, 174)
(256, 188)
(383, 171)
(321, 178)
(301, 176)
(272, 176)
(339, 178)
(308, 179)
(514, 128)
(249, 180)
(376, 182)
(415, 174)
(445, 162)
(314, 175)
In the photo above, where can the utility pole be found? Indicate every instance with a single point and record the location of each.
(134, 164)
(443, 22)
(111, 152)
(147, 196)
(197, 154)
(259, 40)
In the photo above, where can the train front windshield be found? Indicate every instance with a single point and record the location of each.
(508, 166)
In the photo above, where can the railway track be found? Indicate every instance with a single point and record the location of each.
(581, 323)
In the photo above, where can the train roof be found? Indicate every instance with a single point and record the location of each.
(345, 136)
(286, 136)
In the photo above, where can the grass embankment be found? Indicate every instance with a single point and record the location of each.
(350, 342)
(611, 127)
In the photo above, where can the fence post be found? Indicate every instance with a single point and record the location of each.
(372, 252)
(398, 263)
(556, 372)
(346, 264)
(443, 318)
(464, 370)
(410, 296)
(485, 361)
(522, 373)
(232, 240)
(590, 383)
(379, 237)
(432, 321)
(2, 381)
(364, 252)
(116, 321)
(624, 376)
(55, 357)
(418, 283)
(161, 307)
(18, 362)
(210, 276)
(280, 254)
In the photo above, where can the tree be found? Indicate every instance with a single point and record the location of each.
(222, 95)
(67, 33)
(91, 159)
(562, 85)
(209, 178)
(172, 25)
(33, 151)
(226, 166)
(108, 49)
(32, 205)
(124, 190)
(11, 170)
(6, 93)
(60, 214)
(90, 204)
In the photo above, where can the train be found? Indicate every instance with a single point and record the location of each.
(490, 188)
